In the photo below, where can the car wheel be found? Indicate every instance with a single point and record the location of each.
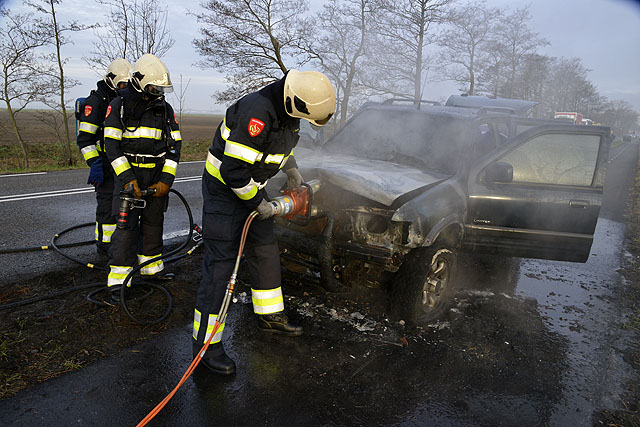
(423, 287)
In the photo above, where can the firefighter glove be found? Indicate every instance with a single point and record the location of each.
(96, 175)
(266, 209)
(162, 189)
(294, 179)
(136, 188)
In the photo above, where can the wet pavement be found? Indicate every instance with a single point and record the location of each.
(528, 342)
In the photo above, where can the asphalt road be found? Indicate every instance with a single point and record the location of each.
(528, 342)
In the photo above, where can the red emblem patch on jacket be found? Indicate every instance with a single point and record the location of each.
(87, 110)
(255, 126)
(108, 111)
(174, 118)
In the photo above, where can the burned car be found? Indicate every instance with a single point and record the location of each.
(400, 189)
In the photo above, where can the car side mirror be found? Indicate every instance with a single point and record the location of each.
(499, 172)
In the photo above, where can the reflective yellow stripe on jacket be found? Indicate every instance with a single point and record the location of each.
(143, 132)
(170, 167)
(88, 128)
(120, 165)
(89, 152)
(245, 193)
(246, 153)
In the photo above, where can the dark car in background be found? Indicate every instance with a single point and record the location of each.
(404, 188)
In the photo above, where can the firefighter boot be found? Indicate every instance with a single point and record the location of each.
(215, 359)
(278, 323)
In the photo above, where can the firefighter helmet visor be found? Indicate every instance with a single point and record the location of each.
(156, 90)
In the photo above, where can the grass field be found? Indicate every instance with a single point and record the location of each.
(46, 151)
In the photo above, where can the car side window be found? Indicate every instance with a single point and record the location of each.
(555, 158)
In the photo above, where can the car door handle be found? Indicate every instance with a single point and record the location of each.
(579, 204)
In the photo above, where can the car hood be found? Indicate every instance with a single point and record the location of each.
(380, 181)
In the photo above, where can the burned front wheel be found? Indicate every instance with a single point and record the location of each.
(422, 289)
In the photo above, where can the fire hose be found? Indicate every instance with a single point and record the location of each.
(220, 319)
(293, 204)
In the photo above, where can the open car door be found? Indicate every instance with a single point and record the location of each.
(539, 194)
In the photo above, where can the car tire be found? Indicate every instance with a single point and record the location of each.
(422, 289)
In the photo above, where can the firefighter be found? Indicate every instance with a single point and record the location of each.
(254, 142)
(143, 144)
(90, 140)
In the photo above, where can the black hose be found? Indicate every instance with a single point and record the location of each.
(92, 294)
(69, 257)
(46, 247)
(49, 296)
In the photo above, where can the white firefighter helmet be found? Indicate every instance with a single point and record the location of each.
(150, 75)
(118, 72)
(309, 95)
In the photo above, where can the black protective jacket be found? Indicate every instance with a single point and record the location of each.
(91, 118)
(253, 143)
(141, 135)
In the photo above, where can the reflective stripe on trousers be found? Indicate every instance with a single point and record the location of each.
(107, 232)
(117, 274)
(152, 268)
(267, 301)
(209, 325)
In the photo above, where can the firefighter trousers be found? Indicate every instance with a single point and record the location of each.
(141, 239)
(105, 219)
(223, 218)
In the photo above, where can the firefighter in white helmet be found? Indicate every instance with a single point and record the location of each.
(90, 139)
(143, 144)
(251, 145)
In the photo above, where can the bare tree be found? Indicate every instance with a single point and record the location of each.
(403, 28)
(19, 38)
(132, 29)
(465, 42)
(623, 118)
(251, 41)
(57, 32)
(568, 86)
(533, 76)
(341, 30)
(180, 95)
(513, 42)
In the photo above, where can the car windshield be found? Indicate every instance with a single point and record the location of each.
(409, 138)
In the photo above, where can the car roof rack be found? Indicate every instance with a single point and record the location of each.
(506, 110)
(517, 106)
(391, 101)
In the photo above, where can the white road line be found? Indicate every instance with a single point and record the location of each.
(622, 151)
(23, 174)
(194, 178)
(40, 196)
(72, 191)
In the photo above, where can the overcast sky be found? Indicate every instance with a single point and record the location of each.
(604, 33)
